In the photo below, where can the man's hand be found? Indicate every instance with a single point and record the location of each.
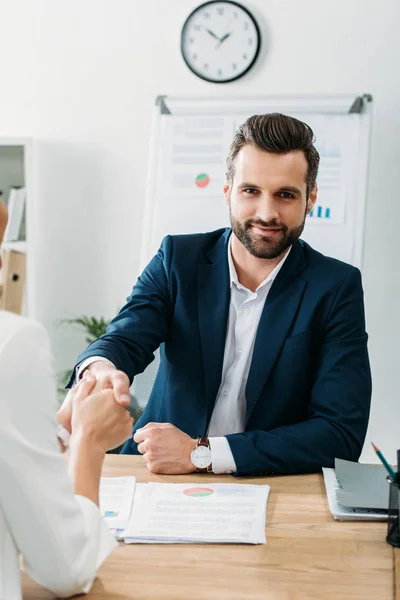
(165, 448)
(107, 377)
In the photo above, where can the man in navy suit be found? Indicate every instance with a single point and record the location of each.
(264, 363)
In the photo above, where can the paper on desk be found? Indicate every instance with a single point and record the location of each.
(116, 496)
(345, 513)
(193, 513)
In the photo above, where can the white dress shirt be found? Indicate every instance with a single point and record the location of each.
(229, 412)
(62, 537)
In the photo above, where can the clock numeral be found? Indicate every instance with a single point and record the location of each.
(220, 11)
(197, 27)
(250, 41)
(244, 56)
(194, 56)
(220, 72)
(191, 40)
(207, 15)
(246, 26)
(206, 65)
(235, 15)
(234, 66)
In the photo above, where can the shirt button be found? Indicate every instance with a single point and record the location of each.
(225, 393)
(239, 351)
(246, 311)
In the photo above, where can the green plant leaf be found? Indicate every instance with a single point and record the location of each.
(94, 327)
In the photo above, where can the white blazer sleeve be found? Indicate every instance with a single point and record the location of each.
(62, 537)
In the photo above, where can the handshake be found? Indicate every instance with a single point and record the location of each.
(95, 409)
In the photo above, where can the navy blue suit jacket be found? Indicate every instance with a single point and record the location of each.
(309, 386)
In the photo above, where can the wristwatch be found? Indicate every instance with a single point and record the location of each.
(201, 456)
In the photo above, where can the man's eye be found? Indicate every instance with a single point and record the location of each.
(250, 191)
(286, 195)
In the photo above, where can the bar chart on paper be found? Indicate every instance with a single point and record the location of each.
(320, 212)
(333, 173)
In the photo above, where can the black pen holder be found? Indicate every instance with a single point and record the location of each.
(393, 533)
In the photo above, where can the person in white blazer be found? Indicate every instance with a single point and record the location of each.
(49, 515)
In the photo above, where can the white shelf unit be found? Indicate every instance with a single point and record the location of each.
(26, 145)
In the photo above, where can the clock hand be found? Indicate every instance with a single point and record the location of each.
(213, 34)
(225, 37)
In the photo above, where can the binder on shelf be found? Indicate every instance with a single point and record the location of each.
(16, 206)
(13, 275)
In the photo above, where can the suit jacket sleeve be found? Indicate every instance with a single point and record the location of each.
(339, 403)
(62, 537)
(142, 324)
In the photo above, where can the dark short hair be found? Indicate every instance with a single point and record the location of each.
(278, 134)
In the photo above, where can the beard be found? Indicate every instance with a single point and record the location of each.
(265, 246)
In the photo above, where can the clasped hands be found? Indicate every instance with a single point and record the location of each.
(165, 448)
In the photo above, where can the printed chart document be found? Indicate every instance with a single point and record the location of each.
(193, 513)
(116, 497)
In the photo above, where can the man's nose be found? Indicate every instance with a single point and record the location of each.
(267, 209)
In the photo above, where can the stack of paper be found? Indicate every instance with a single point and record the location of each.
(357, 492)
(195, 513)
(116, 497)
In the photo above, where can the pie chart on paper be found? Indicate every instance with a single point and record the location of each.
(198, 492)
(202, 180)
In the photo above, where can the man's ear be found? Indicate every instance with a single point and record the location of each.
(312, 199)
(227, 190)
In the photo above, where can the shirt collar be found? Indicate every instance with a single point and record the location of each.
(233, 275)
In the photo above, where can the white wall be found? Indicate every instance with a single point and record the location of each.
(82, 77)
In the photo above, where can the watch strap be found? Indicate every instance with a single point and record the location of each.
(203, 441)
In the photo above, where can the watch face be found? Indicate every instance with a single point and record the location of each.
(201, 457)
(220, 41)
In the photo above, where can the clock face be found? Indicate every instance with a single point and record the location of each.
(201, 457)
(220, 41)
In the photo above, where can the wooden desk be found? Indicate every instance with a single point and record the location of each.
(308, 554)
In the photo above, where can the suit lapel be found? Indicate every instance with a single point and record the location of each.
(213, 297)
(279, 311)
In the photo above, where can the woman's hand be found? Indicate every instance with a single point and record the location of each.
(97, 417)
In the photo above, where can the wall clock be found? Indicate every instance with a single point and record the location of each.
(220, 41)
